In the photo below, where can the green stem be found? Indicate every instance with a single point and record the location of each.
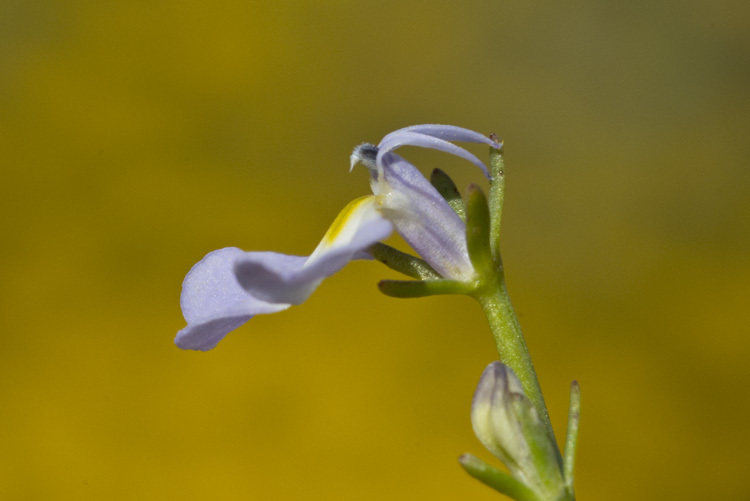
(493, 296)
(483, 242)
(511, 346)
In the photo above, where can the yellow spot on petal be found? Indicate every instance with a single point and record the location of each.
(348, 213)
(345, 227)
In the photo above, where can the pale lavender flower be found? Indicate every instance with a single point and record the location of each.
(229, 286)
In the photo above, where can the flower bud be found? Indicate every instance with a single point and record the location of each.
(507, 424)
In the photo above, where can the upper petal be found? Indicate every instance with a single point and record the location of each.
(275, 279)
(436, 137)
(449, 133)
(213, 303)
(423, 218)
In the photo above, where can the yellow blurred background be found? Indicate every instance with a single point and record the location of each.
(138, 136)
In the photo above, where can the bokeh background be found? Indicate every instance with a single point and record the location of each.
(138, 136)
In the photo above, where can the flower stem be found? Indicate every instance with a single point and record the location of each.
(511, 345)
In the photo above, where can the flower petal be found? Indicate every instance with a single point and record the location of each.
(449, 133)
(277, 279)
(423, 218)
(206, 335)
(213, 303)
(436, 137)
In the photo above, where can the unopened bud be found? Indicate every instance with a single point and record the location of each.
(508, 425)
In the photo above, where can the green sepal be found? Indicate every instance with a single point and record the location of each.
(447, 189)
(496, 196)
(409, 265)
(422, 288)
(478, 230)
(571, 440)
(496, 479)
(542, 446)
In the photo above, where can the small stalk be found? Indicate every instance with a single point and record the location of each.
(571, 440)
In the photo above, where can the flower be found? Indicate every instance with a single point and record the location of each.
(507, 424)
(228, 286)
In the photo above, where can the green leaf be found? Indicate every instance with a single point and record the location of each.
(409, 265)
(496, 479)
(496, 196)
(571, 440)
(422, 288)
